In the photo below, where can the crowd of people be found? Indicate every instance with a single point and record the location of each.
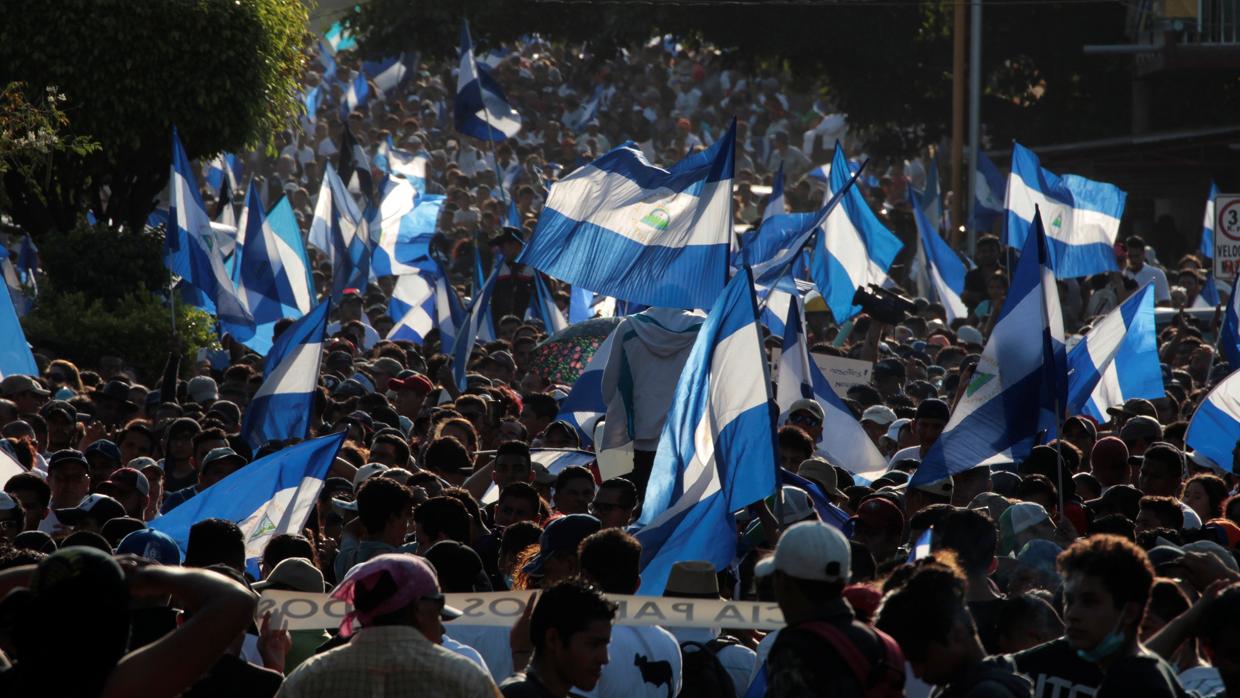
(1103, 563)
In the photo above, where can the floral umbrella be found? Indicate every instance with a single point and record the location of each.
(561, 358)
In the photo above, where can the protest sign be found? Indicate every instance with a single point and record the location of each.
(843, 373)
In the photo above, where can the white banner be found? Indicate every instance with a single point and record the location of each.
(303, 611)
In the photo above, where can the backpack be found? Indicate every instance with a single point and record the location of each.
(880, 678)
(702, 674)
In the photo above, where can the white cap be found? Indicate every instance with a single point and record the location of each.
(6, 502)
(893, 429)
(366, 472)
(797, 506)
(810, 550)
(879, 414)
(969, 334)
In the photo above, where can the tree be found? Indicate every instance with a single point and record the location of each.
(224, 72)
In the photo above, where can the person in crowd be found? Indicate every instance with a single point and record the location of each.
(562, 642)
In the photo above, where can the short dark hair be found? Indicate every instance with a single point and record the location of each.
(971, 535)
(626, 488)
(379, 499)
(1114, 524)
(283, 546)
(1168, 457)
(521, 490)
(446, 454)
(33, 483)
(794, 437)
(924, 609)
(401, 446)
(1022, 610)
(1167, 509)
(570, 607)
(1123, 568)
(1222, 614)
(572, 472)
(211, 434)
(1167, 600)
(215, 542)
(542, 404)
(611, 559)
(443, 515)
(514, 448)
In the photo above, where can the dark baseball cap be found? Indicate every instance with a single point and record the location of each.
(933, 408)
(99, 507)
(881, 514)
(67, 455)
(562, 535)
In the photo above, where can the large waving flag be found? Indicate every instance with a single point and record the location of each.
(15, 355)
(988, 193)
(481, 110)
(1207, 224)
(585, 406)
(478, 315)
(1215, 427)
(292, 252)
(1117, 360)
(855, 249)
(339, 230)
(717, 450)
(281, 407)
(1229, 336)
(543, 307)
(943, 269)
(190, 251)
(775, 205)
(222, 171)
(844, 441)
(400, 232)
(627, 229)
(387, 73)
(1081, 216)
(262, 281)
(1017, 389)
(273, 495)
(422, 302)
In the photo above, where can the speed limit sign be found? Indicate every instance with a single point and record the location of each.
(1226, 236)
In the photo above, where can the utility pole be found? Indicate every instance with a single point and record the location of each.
(975, 115)
(958, 35)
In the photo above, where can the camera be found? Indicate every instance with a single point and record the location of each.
(884, 306)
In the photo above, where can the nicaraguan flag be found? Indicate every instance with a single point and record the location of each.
(327, 61)
(221, 171)
(855, 248)
(481, 110)
(339, 231)
(1215, 426)
(15, 355)
(391, 227)
(479, 314)
(404, 247)
(1117, 360)
(553, 461)
(311, 100)
(943, 269)
(627, 229)
(580, 304)
(988, 192)
(486, 327)
(1209, 293)
(1081, 216)
(584, 406)
(292, 253)
(543, 307)
(580, 119)
(717, 450)
(422, 302)
(1229, 336)
(339, 38)
(262, 281)
(387, 73)
(1207, 224)
(844, 441)
(1020, 380)
(273, 495)
(775, 205)
(190, 251)
(281, 408)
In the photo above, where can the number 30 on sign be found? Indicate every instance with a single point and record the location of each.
(1226, 236)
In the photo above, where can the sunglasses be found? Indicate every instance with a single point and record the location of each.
(805, 420)
(603, 507)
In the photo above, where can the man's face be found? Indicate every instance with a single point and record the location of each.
(60, 432)
(409, 402)
(33, 508)
(608, 509)
(10, 525)
(809, 422)
(1080, 438)
(1090, 613)
(582, 658)
(790, 458)
(135, 445)
(1146, 520)
(880, 543)
(510, 430)
(386, 454)
(510, 510)
(533, 422)
(218, 471)
(202, 449)
(28, 401)
(875, 431)
(70, 482)
(575, 496)
(1158, 478)
(928, 430)
(987, 254)
(1136, 257)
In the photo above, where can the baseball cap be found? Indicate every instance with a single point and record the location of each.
(879, 414)
(389, 583)
(560, 536)
(807, 405)
(67, 455)
(881, 514)
(293, 574)
(1141, 427)
(126, 480)
(797, 506)
(933, 408)
(821, 472)
(202, 389)
(366, 472)
(152, 545)
(890, 367)
(60, 407)
(219, 455)
(893, 429)
(968, 334)
(105, 448)
(417, 382)
(938, 488)
(18, 384)
(115, 530)
(459, 567)
(504, 359)
(387, 366)
(99, 507)
(810, 550)
(1017, 519)
(1133, 407)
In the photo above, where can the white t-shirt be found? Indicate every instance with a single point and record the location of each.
(465, 651)
(644, 663)
(1151, 273)
(491, 644)
(738, 660)
(1192, 521)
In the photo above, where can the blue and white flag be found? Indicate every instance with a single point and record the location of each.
(481, 110)
(191, 253)
(273, 495)
(339, 39)
(27, 261)
(1081, 216)
(716, 454)
(1229, 335)
(387, 73)
(627, 229)
(263, 283)
(988, 192)
(543, 307)
(389, 228)
(292, 252)
(775, 205)
(580, 304)
(311, 100)
(921, 549)
(1209, 293)
(827, 512)
(1207, 224)
(478, 315)
(587, 112)
(403, 246)
(356, 94)
(422, 302)
(1215, 426)
(402, 163)
(855, 249)
(282, 406)
(585, 406)
(340, 231)
(943, 269)
(221, 170)
(1117, 360)
(844, 440)
(15, 355)
(328, 62)
(1017, 390)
